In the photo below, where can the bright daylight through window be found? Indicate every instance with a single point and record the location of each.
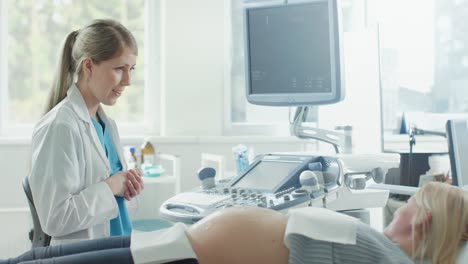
(33, 39)
(424, 64)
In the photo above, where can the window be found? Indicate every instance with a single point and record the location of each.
(407, 56)
(424, 64)
(31, 42)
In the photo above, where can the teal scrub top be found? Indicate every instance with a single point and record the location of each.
(121, 225)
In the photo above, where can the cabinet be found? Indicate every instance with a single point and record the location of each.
(157, 189)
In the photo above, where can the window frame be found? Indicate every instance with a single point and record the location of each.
(3, 67)
(150, 124)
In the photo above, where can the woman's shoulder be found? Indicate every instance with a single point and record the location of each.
(62, 115)
(368, 233)
(376, 244)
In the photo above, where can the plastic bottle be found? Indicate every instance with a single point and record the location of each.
(132, 159)
(240, 157)
(147, 154)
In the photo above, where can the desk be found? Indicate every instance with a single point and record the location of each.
(412, 165)
(157, 190)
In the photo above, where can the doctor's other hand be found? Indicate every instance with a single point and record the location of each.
(118, 183)
(134, 184)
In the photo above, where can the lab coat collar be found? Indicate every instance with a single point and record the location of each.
(79, 106)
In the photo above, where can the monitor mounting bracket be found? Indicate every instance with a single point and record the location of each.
(338, 140)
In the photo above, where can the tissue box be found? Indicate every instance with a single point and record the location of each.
(152, 170)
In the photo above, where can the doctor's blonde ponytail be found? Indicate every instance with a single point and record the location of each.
(65, 72)
(101, 40)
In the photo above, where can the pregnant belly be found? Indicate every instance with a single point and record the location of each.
(240, 235)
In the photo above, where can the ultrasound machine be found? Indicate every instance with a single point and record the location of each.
(280, 182)
(271, 181)
(293, 58)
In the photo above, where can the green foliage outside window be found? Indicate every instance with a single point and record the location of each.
(36, 30)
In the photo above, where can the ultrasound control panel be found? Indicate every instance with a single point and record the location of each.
(271, 181)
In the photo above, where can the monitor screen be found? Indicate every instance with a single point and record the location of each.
(293, 54)
(267, 174)
(457, 137)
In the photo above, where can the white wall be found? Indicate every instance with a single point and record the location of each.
(192, 83)
(192, 62)
(361, 107)
(15, 220)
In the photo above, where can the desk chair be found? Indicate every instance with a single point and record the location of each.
(39, 238)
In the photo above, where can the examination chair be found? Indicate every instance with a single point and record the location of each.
(38, 238)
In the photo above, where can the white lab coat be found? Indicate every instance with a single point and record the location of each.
(69, 167)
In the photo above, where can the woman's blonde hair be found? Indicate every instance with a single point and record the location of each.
(101, 40)
(441, 237)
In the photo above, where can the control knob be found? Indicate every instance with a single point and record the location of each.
(206, 176)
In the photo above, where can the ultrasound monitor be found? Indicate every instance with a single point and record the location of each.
(457, 139)
(267, 174)
(293, 53)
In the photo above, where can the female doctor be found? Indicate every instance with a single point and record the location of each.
(79, 179)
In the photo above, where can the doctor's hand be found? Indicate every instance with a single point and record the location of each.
(118, 183)
(134, 184)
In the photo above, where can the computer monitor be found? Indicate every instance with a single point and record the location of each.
(293, 53)
(457, 138)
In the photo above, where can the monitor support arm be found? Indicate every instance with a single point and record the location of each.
(343, 140)
(419, 131)
(414, 130)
